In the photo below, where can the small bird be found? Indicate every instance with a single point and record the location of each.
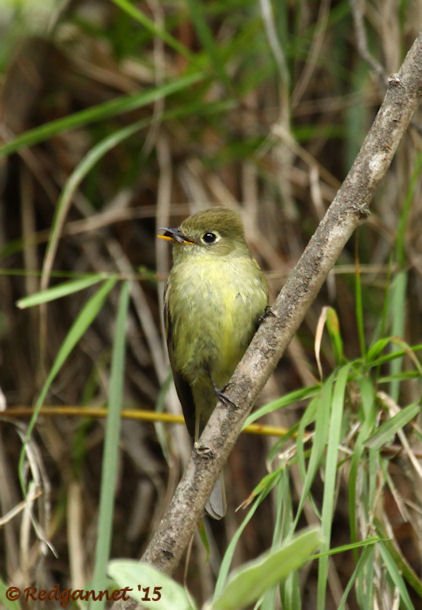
(215, 297)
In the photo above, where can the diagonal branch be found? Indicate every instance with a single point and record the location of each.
(349, 208)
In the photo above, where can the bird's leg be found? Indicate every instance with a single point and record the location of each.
(201, 450)
(196, 430)
(267, 313)
(222, 397)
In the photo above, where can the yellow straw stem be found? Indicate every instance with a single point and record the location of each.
(138, 414)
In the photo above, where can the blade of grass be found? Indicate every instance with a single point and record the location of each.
(228, 555)
(376, 348)
(396, 577)
(397, 314)
(366, 556)
(111, 447)
(365, 587)
(152, 27)
(361, 544)
(99, 112)
(402, 376)
(322, 408)
(388, 429)
(160, 408)
(72, 183)
(396, 354)
(404, 567)
(333, 328)
(400, 248)
(290, 590)
(208, 42)
(368, 421)
(360, 319)
(282, 502)
(282, 402)
(398, 287)
(253, 579)
(328, 502)
(59, 291)
(85, 318)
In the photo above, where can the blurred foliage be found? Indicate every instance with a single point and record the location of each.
(119, 117)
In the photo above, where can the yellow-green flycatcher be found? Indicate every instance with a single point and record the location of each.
(215, 296)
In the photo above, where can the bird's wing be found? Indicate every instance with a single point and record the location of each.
(183, 388)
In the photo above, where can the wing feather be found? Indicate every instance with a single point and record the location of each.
(183, 388)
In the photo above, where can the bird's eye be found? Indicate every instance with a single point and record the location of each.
(209, 237)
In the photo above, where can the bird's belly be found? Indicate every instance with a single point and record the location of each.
(214, 329)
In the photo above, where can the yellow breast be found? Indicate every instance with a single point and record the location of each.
(214, 304)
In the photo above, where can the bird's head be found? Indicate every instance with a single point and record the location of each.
(215, 232)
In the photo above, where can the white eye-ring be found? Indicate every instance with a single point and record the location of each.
(210, 237)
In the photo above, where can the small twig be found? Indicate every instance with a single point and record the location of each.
(362, 41)
(34, 494)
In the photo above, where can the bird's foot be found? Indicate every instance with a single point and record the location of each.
(224, 398)
(267, 313)
(221, 394)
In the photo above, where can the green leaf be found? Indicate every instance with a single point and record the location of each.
(406, 209)
(282, 402)
(228, 555)
(163, 594)
(59, 291)
(376, 348)
(208, 40)
(111, 446)
(73, 182)
(253, 579)
(330, 476)
(85, 318)
(5, 592)
(333, 328)
(367, 417)
(396, 577)
(320, 406)
(366, 556)
(360, 320)
(401, 562)
(389, 428)
(397, 314)
(152, 27)
(289, 589)
(99, 112)
(396, 354)
(349, 547)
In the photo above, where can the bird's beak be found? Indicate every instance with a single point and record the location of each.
(175, 235)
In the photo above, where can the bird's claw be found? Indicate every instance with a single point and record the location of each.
(224, 398)
(267, 313)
